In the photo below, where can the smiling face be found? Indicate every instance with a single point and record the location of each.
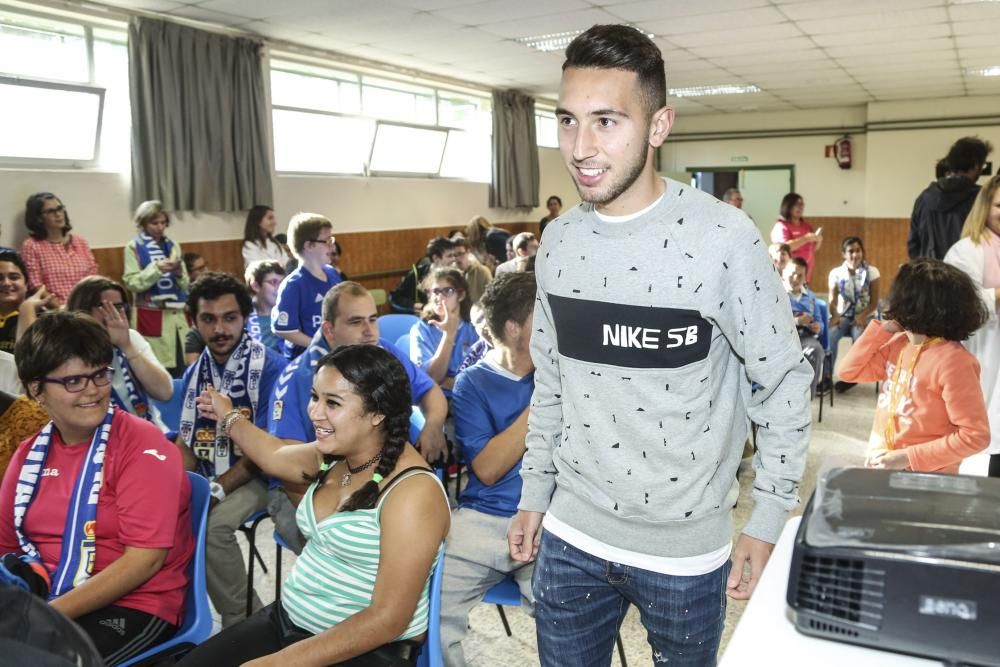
(220, 323)
(76, 415)
(794, 277)
(338, 415)
(853, 254)
(606, 137)
(156, 226)
(13, 287)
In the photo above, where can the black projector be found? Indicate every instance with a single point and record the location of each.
(901, 561)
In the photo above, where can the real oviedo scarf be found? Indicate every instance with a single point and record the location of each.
(240, 381)
(148, 250)
(135, 400)
(76, 561)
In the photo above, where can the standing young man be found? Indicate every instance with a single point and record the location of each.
(298, 311)
(245, 371)
(657, 307)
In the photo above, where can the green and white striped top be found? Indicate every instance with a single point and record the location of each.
(334, 577)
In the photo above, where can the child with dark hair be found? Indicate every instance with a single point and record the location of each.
(931, 414)
(806, 314)
(854, 294)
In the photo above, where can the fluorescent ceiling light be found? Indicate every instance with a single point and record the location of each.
(703, 91)
(985, 71)
(556, 41)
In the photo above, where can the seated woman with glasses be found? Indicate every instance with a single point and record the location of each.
(139, 375)
(55, 259)
(156, 274)
(444, 334)
(375, 517)
(95, 509)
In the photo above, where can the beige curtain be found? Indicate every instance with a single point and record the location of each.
(515, 151)
(199, 118)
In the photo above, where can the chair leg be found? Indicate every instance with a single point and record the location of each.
(621, 650)
(277, 571)
(503, 619)
(251, 535)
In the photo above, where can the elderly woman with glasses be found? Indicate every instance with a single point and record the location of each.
(55, 259)
(444, 334)
(156, 274)
(98, 497)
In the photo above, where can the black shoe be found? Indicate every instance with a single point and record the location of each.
(824, 386)
(842, 386)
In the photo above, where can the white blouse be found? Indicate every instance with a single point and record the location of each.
(271, 250)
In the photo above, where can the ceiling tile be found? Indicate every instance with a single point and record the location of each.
(209, 16)
(550, 24)
(651, 10)
(495, 12)
(882, 37)
(824, 9)
(879, 49)
(776, 60)
(712, 22)
(874, 21)
(974, 11)
(787, 46)
(767, 33)
(976, 27)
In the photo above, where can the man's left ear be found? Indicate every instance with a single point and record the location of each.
(659, 126)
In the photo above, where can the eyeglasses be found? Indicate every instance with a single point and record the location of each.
(442, 291)
(74, 384)
(273, 282)
(51, 211)
(327, 241)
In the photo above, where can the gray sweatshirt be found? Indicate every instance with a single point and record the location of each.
(648, 335)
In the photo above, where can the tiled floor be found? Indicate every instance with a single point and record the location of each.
(839, 440)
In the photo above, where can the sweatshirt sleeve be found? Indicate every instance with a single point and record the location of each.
(545, 419)
(958, 381)
(754, 316)
(866, 360)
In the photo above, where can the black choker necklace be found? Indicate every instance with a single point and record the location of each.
(346, 479)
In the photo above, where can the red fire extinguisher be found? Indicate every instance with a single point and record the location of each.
(842, 152)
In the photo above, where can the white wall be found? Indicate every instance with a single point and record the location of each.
(98, 203)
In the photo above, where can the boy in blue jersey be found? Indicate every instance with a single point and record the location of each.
(806, 314)
(246, 371)
(490, 405)
(349, 318)
(298, 311)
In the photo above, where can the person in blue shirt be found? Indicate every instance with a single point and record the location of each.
(298, 312)
(350, 317)
(263, 277)
(246, 371)
(807, 316)
(444, 335)
(490, 407)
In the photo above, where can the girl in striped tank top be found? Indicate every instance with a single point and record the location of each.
(375, 517)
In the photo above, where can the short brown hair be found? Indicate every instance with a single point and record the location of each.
(332, 298)
(508, 298)
(87, 293)
(258, 269)
(305, 227)
(55, 338)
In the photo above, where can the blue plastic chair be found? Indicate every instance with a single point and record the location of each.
(403, 343)
(417, 422)
(197, 623)
(392, 326)
(170, 411)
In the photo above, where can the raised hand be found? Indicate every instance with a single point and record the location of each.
(213, 405)
(116, 324)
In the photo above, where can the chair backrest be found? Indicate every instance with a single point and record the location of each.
(417, 422)
(824, 315)
(197, 623)
(170, 411)
(394, 325)
(403, 343)
(379, 296)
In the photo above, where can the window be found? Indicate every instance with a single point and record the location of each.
(65, 87)
(333, 121)
(546, 129)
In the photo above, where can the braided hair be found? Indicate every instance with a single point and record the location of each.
(381, 382)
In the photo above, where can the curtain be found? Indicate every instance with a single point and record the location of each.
(199, 118)
(515, 151)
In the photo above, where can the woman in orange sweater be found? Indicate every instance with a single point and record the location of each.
(931, 414)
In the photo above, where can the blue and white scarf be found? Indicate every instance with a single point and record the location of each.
(854, 289)
(148, 250)
(240, 381)
(76, 561)
(136, 401)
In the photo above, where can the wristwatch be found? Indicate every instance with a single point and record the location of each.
(217, 491)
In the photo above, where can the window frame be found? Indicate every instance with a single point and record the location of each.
(369, 171)
(317, 112)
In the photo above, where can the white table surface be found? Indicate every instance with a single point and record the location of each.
(766, 634)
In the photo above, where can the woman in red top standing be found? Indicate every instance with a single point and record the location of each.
(796, 232)
(55, 258)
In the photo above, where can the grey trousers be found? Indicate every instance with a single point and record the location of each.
(815, 355)
(476, 557)
(225, 573)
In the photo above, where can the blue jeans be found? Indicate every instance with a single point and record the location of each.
(581, 600)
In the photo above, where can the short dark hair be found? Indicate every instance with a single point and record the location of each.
(556, 197)
(460, 242)
(849, 240)
(15, 258)
(215, 284)
(189, 258)
(625, 48)
(33, 215)
(968, 153)
(932, 298)
(940, 168)
(55, 338)
(332, 299)
(508, 298)
(787, 203)
(87, 293)
(798, 261)
(251, 230)
(438, 246)
(257, 270)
